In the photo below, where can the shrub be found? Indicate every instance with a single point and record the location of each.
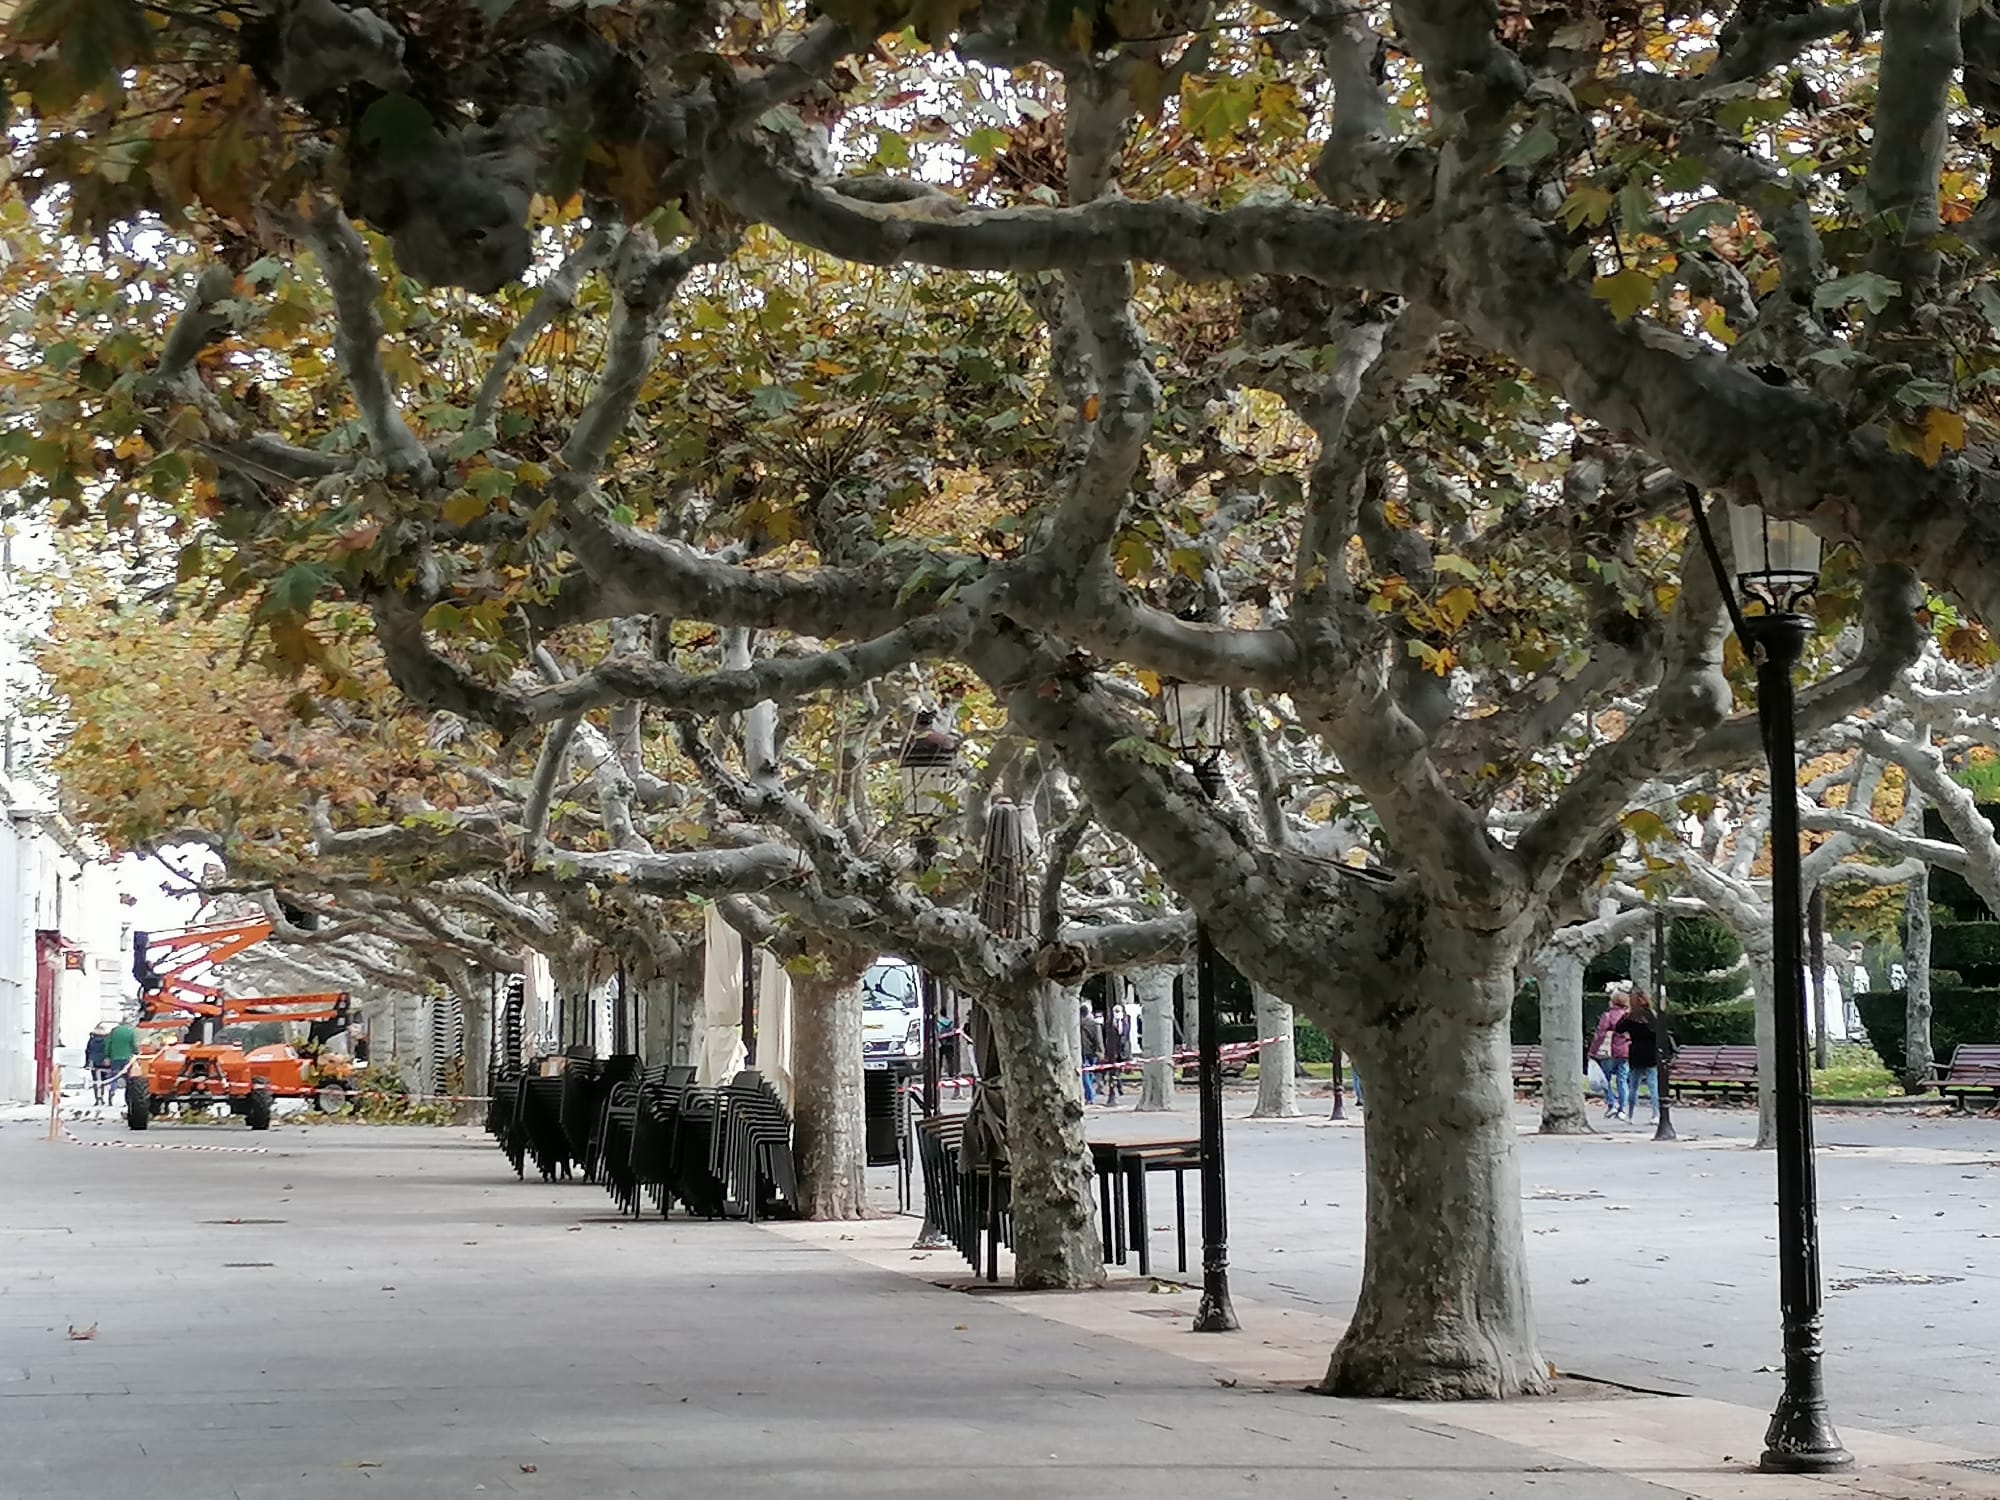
(1309, 1043)
(1958, 1014)
(1700, 992)
(1699, 945)
(1731, 1025)
(1968, 948)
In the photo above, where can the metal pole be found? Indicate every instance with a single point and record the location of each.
(930, 1236)
(749, 1005)
(1339, 1086)
(1215, 1315)
(1663, 1130)
(1801, 1438)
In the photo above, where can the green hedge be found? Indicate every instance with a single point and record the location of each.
(1732, 1025)
(1699, 945)
(1699, 992)
(1309, 1043)
(1969, 948)
(1958, 1014)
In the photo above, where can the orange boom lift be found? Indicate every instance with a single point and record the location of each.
(199, 1070)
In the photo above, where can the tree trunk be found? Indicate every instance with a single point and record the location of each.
(1919, 1058)
(1056, 1245)
(1444, 1311)
(1816, 972)
(829, 1130)
(476, 1002)
(1763, 980)
(1277, 1078)
(1156, 1075)
(1559, 977)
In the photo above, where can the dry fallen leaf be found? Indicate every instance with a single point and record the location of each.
(80, 1334)
(528, 1469)
(961, 1327)
(1228, 1381)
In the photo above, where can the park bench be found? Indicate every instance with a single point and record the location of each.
(1527, 1069)
(1973, 1070)
(1713, 1070)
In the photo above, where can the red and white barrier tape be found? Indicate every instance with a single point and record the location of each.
(1228, 1052)
(76, 1140)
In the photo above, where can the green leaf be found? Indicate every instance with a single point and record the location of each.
(396, 123)
(1646, 827)
(985, 143)
(294, 590)
(1870, 288)
(1624, 292)
(1989, 303)
(1705, 216)
(1447, 562)
(1529, 147)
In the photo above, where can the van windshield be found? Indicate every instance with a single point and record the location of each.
(889, 987)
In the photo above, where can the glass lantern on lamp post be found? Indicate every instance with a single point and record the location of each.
(929, 771)
(1196, 717)
(1777, 570)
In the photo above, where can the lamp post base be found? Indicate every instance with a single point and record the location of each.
(1215, 1315)
(1801, 1439)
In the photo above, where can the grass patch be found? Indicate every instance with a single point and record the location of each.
(1855, 1072)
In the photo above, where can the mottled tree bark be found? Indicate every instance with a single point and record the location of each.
(1559, 977)
(1919, 1058)
(1444, 1310)
(1055, 1239)
(1156, 1075)
(1277, 1077)
(476, 1005)
(829, 1131)
(1763, 991)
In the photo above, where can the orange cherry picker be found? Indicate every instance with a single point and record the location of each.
(180, 990)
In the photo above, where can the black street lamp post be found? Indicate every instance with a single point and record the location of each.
(1777, 567)
(1663, 1109)
(1197, 718)
(929, 769)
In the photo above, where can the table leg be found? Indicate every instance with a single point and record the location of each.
(1104, 1211)
(1180, 1214)
(1141, 1219)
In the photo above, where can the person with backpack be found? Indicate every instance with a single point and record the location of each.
(1609, 1046)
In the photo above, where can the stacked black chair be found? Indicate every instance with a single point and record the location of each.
(504, 1119)
(696, 1180)
(611, 1074)
(541, 1119)
(655, 1123)
(754, 1147)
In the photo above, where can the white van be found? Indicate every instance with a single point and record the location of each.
(892, 1016)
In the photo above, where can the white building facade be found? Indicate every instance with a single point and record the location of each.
(65, 933)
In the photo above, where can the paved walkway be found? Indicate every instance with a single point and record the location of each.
(384, 1312)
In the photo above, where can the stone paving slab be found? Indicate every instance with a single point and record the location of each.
(428, 1326)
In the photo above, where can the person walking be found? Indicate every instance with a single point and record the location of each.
(1093, 1050)
(121, 1044)
(1641, 1029)
(1609, 1046)
(1117, 1052)
(93, 1059)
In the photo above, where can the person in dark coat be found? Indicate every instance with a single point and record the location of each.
(1093, 1050)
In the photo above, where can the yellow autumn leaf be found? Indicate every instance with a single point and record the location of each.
(1942, 429)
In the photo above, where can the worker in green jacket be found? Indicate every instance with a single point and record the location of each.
(119, 1047)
